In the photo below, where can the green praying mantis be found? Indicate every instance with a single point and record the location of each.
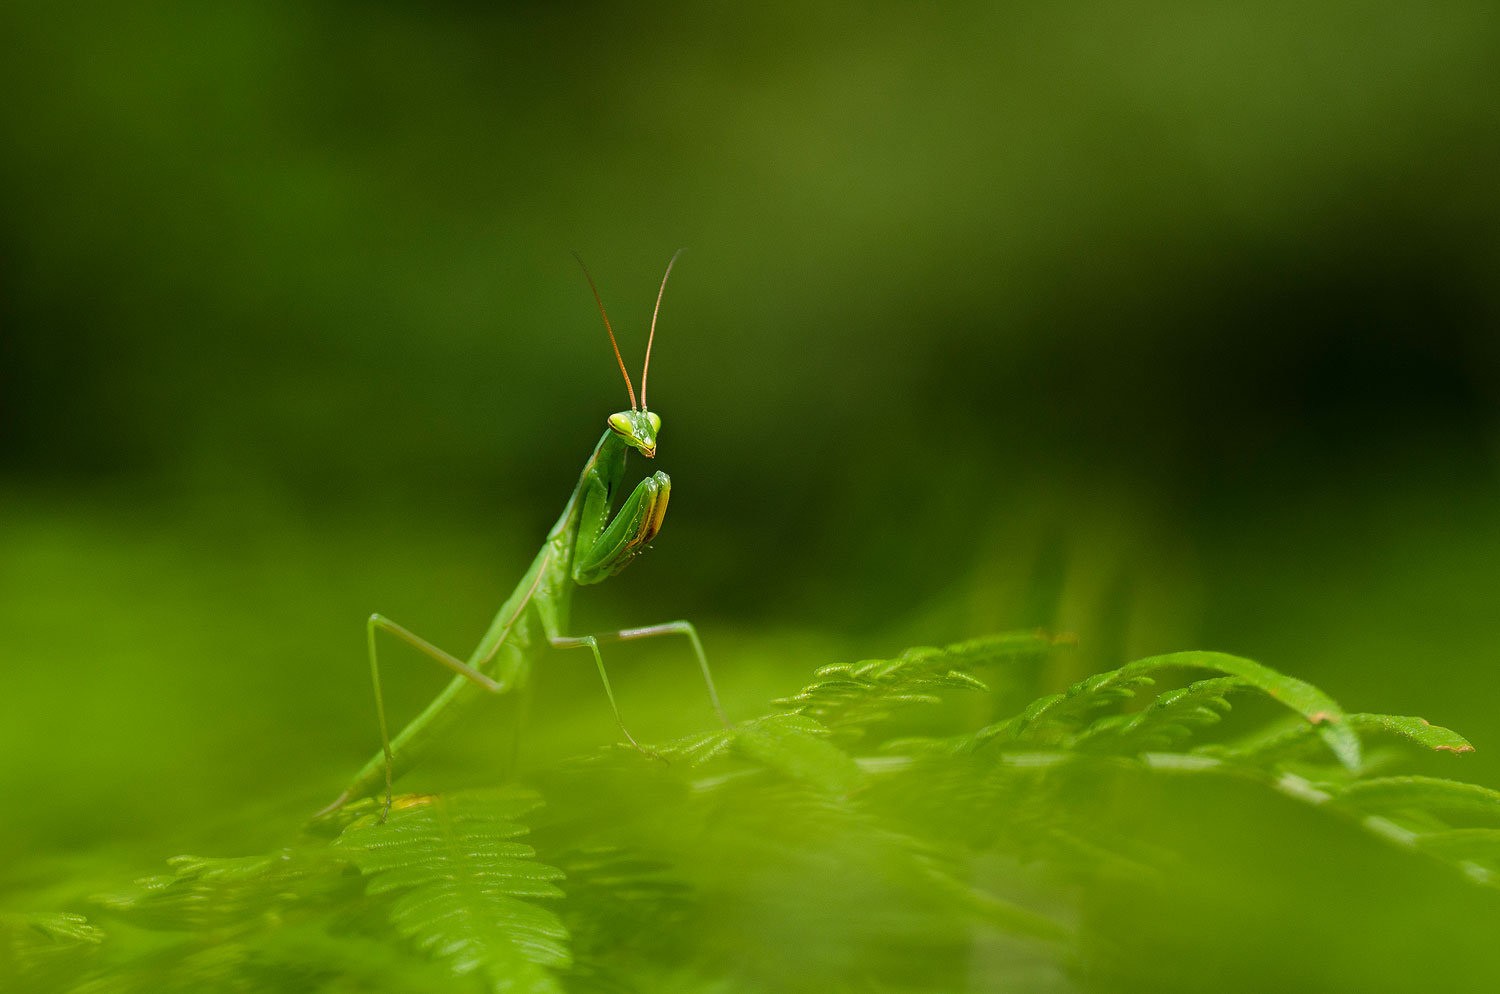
(585, 546)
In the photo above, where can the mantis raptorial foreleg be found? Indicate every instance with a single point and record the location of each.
(599, 556)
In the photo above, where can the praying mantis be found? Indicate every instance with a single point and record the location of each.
(585, 546)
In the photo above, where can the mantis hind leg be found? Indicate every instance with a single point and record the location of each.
(630, 634)
(379, 622)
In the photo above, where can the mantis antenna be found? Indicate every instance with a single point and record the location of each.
(628, 386)
(652, 337)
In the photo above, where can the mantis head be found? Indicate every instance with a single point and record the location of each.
(638, 426)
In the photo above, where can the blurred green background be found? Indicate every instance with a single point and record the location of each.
(1169, 325)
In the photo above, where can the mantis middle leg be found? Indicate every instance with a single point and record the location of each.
(630, 634)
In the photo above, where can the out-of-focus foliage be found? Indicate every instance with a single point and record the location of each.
(782, 855)
(1171, 326)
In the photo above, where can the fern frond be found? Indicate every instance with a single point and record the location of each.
(1052, 718)
(1424, 796)
(207, 893)
(1281, 744)
(699, 748)
(622, 907)
(1059, 720)
(1320, 710)
(1474, 845)
(1168, 720)
(44, 950)
(1418, 731)
(53, 929)
(789, 854)
(796, 746)
(462, 889)
(847, 697)
(311, 957)
(619, 875)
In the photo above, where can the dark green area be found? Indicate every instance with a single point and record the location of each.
(1172, 327)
